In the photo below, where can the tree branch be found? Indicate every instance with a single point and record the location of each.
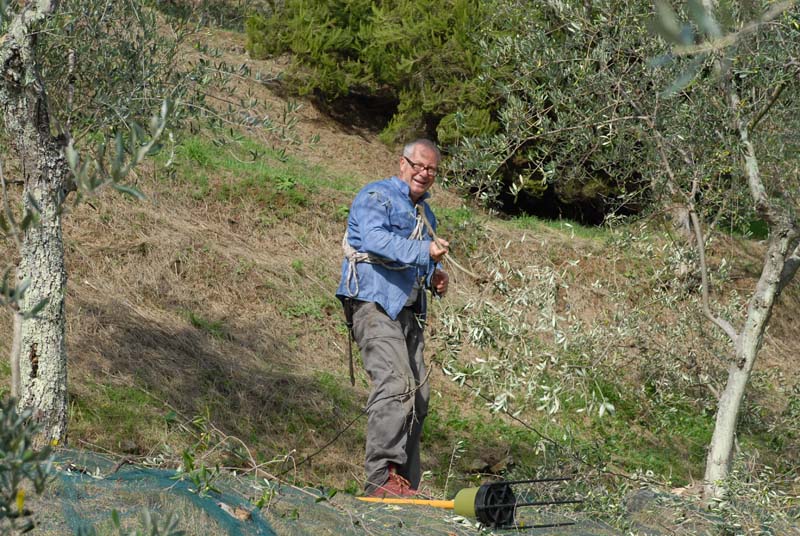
(772, 100)
(723, 42)
(774, 97)
(789, 268)
(757, 191)
(720, 322)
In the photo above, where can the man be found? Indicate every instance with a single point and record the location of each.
(391, 258)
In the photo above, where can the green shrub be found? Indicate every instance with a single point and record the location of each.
(558, 77)
(420, 56)
(470, 122)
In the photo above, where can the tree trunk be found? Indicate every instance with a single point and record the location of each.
(720, 454)
(748, 343)
(42, 348)
(43, 355)
(16, 342)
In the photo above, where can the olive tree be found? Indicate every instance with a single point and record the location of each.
(702, 129)
(50, 170)
(568, 142)
(753, 56)
(78, 78)
(41, 376)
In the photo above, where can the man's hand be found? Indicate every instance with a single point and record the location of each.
(439, 281)
(438, 249)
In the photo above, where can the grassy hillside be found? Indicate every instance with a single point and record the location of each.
(203, 320)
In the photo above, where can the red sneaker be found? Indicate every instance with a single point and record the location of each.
(395, 486)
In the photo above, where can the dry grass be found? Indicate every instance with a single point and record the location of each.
(186, 300)
(191, 304)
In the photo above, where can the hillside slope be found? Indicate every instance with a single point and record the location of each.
(203, 320)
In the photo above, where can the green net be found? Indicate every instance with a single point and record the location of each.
(88, 487)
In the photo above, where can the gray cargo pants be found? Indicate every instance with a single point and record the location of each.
(398, 404)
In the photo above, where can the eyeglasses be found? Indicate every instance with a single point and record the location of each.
(419, 168)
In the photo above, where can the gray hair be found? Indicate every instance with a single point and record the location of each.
(408, 150)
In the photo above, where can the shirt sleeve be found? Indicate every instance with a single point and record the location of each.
(377, 238)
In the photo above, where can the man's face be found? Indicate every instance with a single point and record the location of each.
(419, 170)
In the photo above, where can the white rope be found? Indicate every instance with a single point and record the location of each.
(354, 257)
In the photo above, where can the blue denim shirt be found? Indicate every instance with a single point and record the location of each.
(381, 219)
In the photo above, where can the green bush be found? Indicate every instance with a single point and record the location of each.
(419, 56)
(560, 76)
(469, 122)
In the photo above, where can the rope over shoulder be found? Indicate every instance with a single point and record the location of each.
(353, 257)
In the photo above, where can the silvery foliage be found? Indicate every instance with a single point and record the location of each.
(505, 330)
(562, 74)
(531, 342)
(20, 466)
(756, 502)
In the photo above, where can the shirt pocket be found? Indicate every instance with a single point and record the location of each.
(402, 219)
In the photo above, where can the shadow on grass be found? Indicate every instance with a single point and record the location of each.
(246, 384)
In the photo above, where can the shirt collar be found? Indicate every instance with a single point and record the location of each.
(401, 184)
